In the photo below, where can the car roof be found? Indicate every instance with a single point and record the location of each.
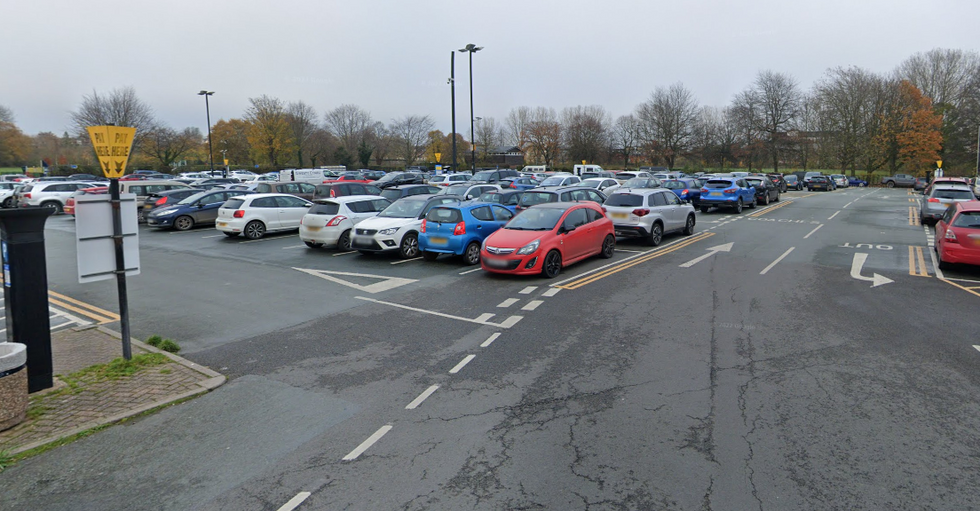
(347, 198)
(639, 191)
(260, 195)
(405, 187)
(968, 206)
(561, 205)
(952, 186)
(560, 188)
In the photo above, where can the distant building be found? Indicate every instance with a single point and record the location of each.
(506, 156)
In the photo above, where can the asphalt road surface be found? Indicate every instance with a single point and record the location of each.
(804, 355)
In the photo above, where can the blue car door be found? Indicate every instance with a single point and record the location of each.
(747, 192)
(484, 224)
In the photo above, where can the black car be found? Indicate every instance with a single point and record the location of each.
(779, 181)
(765, 189)
(394, 193)
(372, 175)
(819, 183)
(399, 178)
(343, 189)
(544, 194)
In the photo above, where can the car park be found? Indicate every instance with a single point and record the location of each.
(343, 189)
(493, 176)
(330, 221)
(257, 214)
(300, 189)
(397, 227)
(686, 189)
(765, 189)
(563, 180)
(197, 209)
(547, 237)
(819, 183)
(52, 194)
(373, 175)
(351, 177)
(506, 198)
(648, 214)
(459, 229)
(166, 198)
(212, 182)
(945, 180)
(598, 174)
(733, 193)
(69, 208)
(7, 192)
(940, 198)
(394, 193)
(559, 194)
(469, 191)
(958, 235)
(87, 177)
(518, 183)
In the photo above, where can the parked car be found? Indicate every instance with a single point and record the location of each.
(809, 175)
(163, 198)
(394, 193)
(559, 194)
(399, 178)
(649, 214)
(370, 175)
(300, 189)
(958, 235)
(853, 181)
(779, 181)
(597, 174)
(343, 189)
(493, 176)
(820, 183)
(450, 179)
(7, 193)
(352, 177)
(686, 189)
(459, 229)
(87, 177)
(600, 183)
(560, 180)
(765, 189)
(469, 191)
(940, 198)
(69, 208)
(212, 182)
(200, 208)
(518, 183)
(903, 180)
(733, 193)
(397, 227)
(330, 221)
(793, 182)
(257, 214)
(623, 176)
(840, 180)
(48, 194)
(547, 237)
(506, 198)
(946, 180)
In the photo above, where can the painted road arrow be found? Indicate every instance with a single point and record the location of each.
(727, 247)
(858, 263)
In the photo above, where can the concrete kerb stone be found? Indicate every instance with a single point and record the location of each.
(180, 360)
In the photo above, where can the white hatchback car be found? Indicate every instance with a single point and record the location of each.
(561, 179)
(254, 215)
(397, 227)
(648, 213)
(329, 221)
(449, 179)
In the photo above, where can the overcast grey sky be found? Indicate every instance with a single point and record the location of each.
(391, 57)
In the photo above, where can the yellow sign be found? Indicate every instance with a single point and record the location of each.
(438, 157)
(939, 164)
(112, 145)
(226, 161)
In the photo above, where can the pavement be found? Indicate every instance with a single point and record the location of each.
(63, 410)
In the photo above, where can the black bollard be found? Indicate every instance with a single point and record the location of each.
(25, 289)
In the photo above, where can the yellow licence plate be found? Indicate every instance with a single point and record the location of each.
(619, 215)
(438, 241)
(222, 224)
(308, 228)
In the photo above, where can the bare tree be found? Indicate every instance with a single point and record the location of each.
(167, 145)
(668, 120)
(119, 107)
(302, 120)
(320, 144)
(771, 103)
(851, 102)
(544, 135)
(383, 141)
(517, 123)
(489, 135)
(350, 124)
(412, 134)
(585, 131)
(704, 140)
(625, 136)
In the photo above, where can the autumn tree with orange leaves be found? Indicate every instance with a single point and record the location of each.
(910, 138)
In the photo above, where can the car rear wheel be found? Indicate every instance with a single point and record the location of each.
(55, 205)
(755, 201)
(430, 256)
(313, 244)
(738, 207)
(890, 184)
(410, 246)
(656, 234)
(8, 202)
(344, 242)
(552, 265)
(183, 223)
(608, 247)
(689, 226)
(254, 230)
(472, 254)
(140, 217)
(765, 199)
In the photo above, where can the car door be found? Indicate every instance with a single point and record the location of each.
(576, 240)
(291, 211)
(206, 209)
(485, 221)
(676, 211)
(746, 192)
(657, 203)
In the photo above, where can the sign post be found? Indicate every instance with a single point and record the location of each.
(112, 145)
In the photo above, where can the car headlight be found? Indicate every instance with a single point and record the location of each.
(529, 248)
(164, 212)
(388, 232)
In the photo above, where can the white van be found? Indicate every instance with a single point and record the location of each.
(312, 176)
(579, 169)
(531, 169)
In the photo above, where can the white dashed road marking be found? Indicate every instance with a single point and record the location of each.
(528, 290)
(422, 397)
(490, 340)
(508, 302)
(551, 292)
(814, 230)
(462, 364)
(295, 501)
(774, 263)
(365, 445)
(533, 304)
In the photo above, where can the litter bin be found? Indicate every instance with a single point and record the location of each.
(13, 384)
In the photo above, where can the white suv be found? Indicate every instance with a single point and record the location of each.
(397, 227)
(52, 194)
(648, 213)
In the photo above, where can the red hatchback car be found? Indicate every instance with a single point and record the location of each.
(546, 237)
(958, 235)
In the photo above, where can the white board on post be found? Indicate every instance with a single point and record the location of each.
(93, 237)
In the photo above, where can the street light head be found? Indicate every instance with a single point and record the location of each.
(471, 48)
(205, 93)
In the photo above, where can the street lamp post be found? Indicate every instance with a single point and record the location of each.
(452, 83)
(207, 108)
(478, 119)
(471, 49)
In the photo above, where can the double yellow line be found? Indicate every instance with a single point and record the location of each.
(646, 257)
(913, 216)
(917, 262)
(92, 312)
(772, 208)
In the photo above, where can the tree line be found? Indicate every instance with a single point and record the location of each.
(851, 119)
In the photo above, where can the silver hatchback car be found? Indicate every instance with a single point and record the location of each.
(941, 197)
(648, 213)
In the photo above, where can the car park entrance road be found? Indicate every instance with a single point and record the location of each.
(766, 377)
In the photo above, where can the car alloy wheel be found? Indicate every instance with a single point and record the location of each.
(656, 234)
(183, 223)
(738, 207)
(472, 254)
(56, 206)
(891, 184)
(552, 265)
(410, 246)
(254, 230)
(765, 201)
(8, 203)
(608, 247)
(344, 242)
(140, 218)
(689, 226)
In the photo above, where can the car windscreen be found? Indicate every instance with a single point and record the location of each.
(325, 208)
(789, 179)
(482, 176)
(444, 215)
(542, 219)
(641, 182)
(624, 199)
(624, 175)
(352, 175)
(403, 208)
(494, 197)
(391, 194)
(232, 204)
(194, 198)
(718, 184)
(532, 198)
(754, 182)
(968, 219)
(553, 181)
(953, 194)
(454, 190)
(674, 185)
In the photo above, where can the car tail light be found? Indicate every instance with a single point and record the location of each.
(933, 199)
(239, 213)
(685, 192)
(460, 229)
(950, 236)
(641, 211)
(27, 195)
(731, 190)
(513, 185)
(423, 225)
(704, 190)
(161, 201)
(335, 221)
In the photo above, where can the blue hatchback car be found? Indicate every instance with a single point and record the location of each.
(198, 209)
(459, 229)
(727, 192)
(685, 188)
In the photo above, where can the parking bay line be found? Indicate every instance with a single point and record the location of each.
(345, 253)
(406, 260)
(507, 323)
(365, 445)
(977, 347)
(968, 290)
(533, 304)
(295, 501)
(814, 230)
(489, 341)
(470, 271)
(774, 263)
(835, 214)
(422, 397)
(293, 247)
(212, 236)
(462, 363)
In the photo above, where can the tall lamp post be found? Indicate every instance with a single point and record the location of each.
(452, 84)
(471, 49)
(478, 119)
(207, 107)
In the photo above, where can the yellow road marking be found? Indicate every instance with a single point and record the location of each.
(967, 289)
(763, 212)
(575, 284)
(913, 216)
(917, 262)
(91, 311)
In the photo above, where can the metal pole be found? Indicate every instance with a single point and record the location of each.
(452, 82)
(472, 140)
(117, 239)
(207, 108)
